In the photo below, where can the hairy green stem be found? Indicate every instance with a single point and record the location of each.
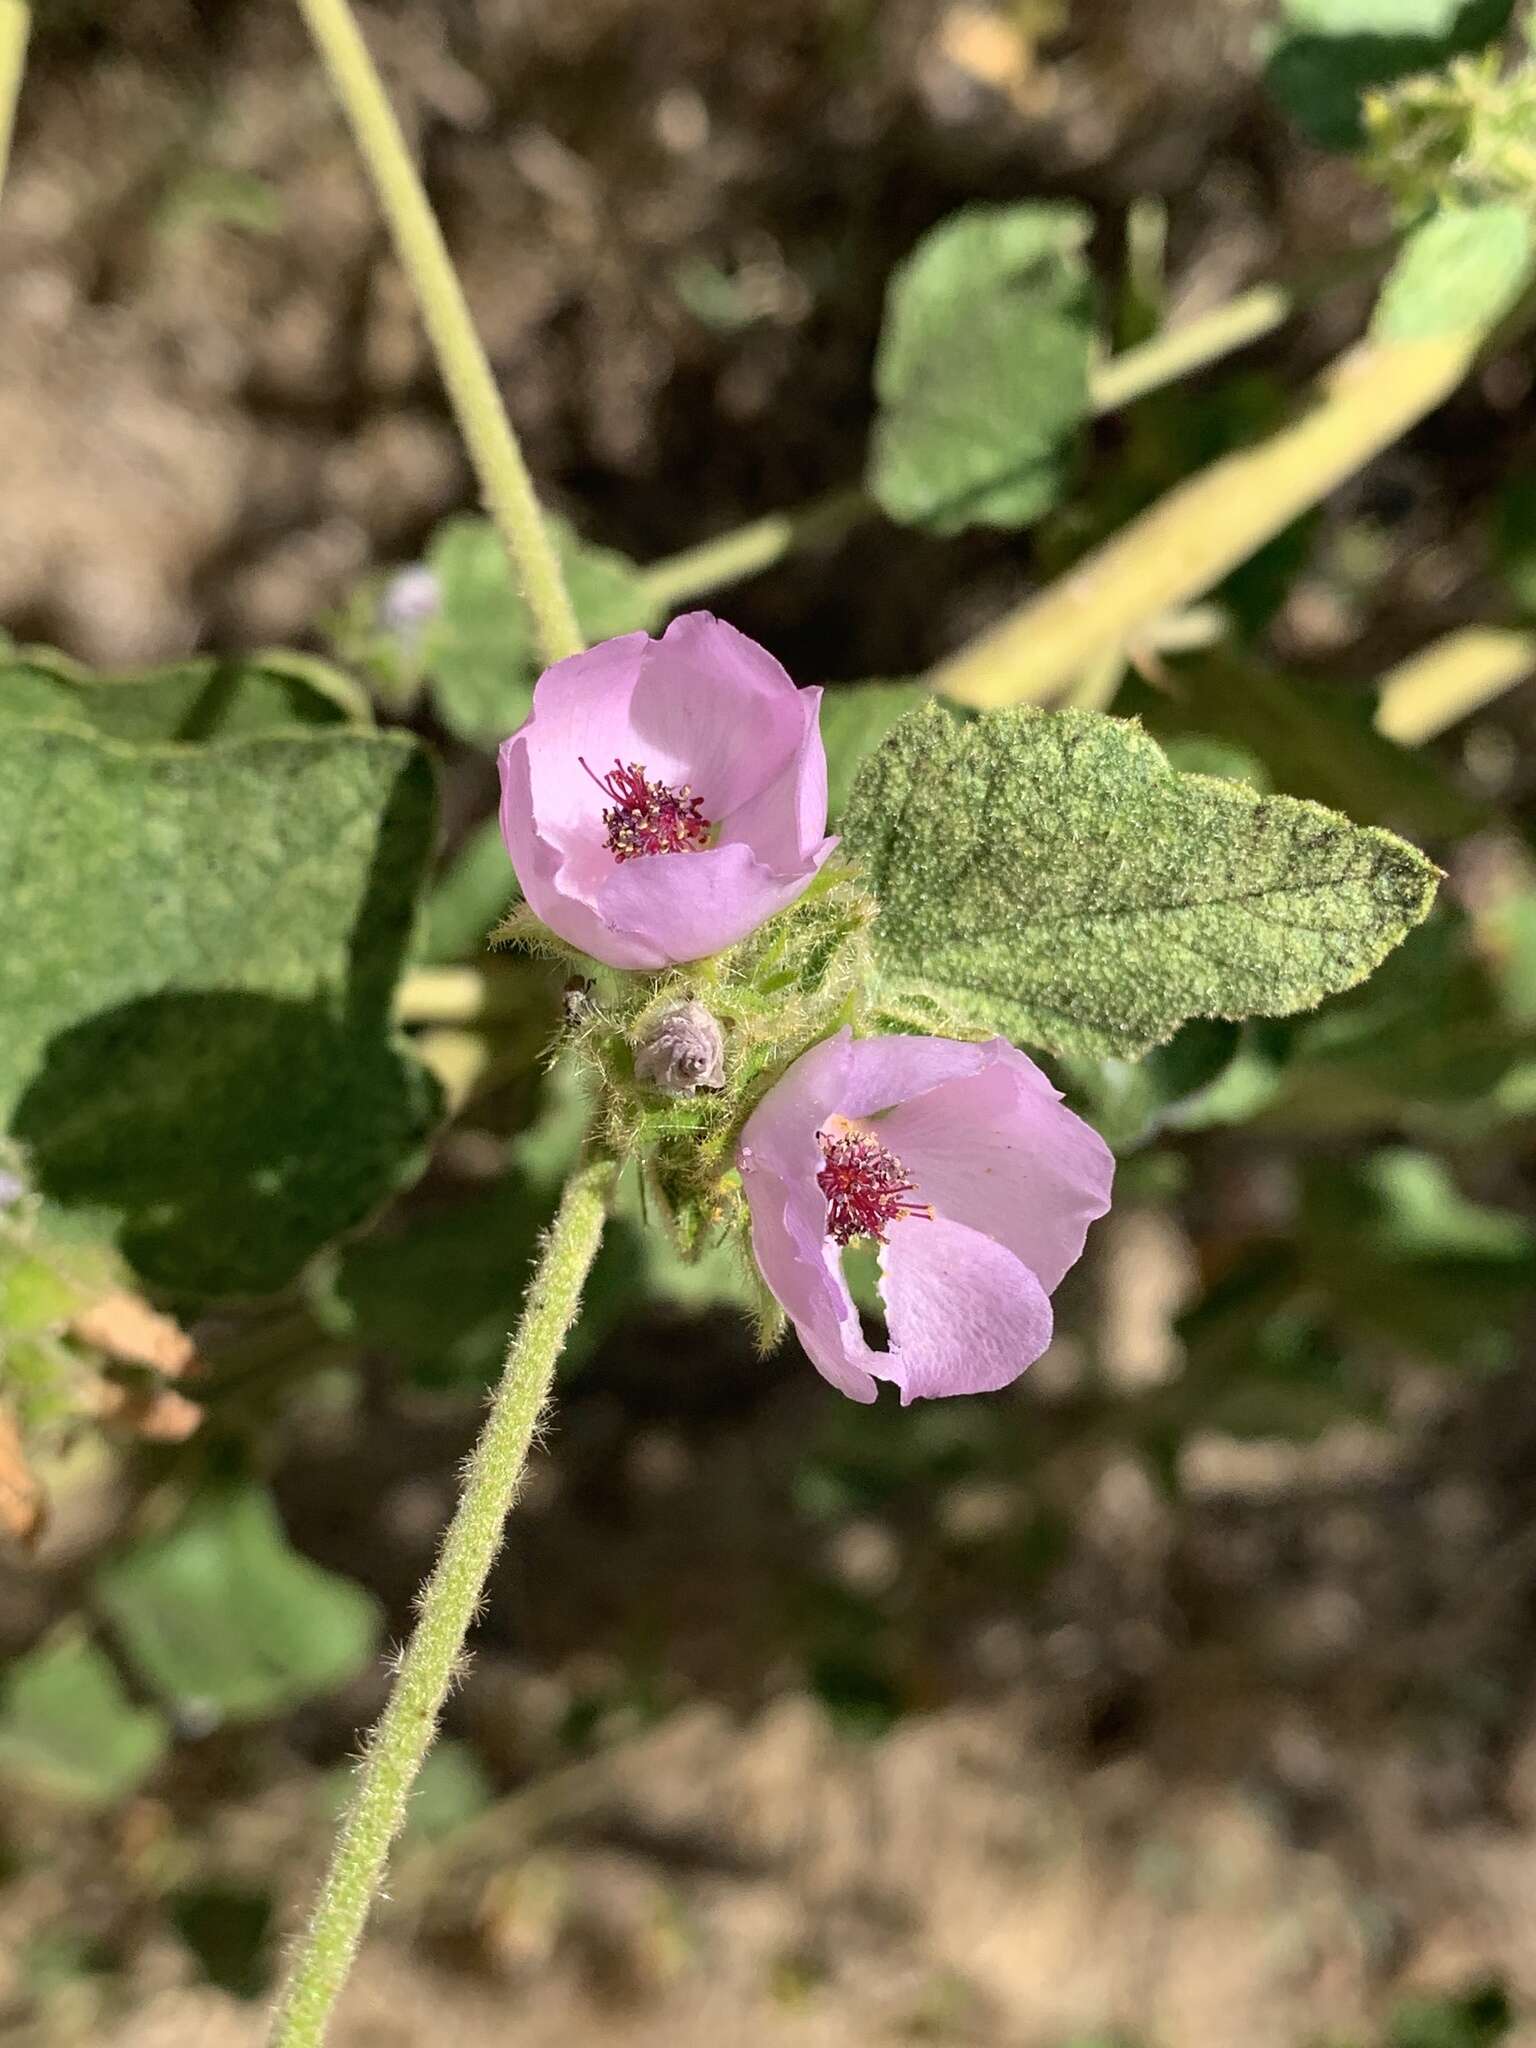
(477, 403)
(15, 28)
(445, 1609)
(1177, 352)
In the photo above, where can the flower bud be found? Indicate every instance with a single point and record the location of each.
(683, 1051)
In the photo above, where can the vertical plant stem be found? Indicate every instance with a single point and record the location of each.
(15, 28)
(445, 1608)
(477, 404)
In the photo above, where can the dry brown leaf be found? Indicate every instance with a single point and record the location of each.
(125, 1326)
(21, 1494)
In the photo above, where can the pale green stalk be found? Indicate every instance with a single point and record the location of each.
(1450, 679)
(15, 28)
(482, 417)
(445, 1609)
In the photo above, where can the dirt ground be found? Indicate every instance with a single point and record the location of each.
(1251, 1769)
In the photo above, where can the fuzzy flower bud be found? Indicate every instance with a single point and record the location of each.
(683, 1052)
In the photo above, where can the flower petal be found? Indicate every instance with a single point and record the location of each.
(965, 1316)
(536, 861)
(883, 1071)
(581, 711)
(800, 1264)
(999, 1150)
(714, 710)
(780, 1134)
(684, 906)
(785, 823)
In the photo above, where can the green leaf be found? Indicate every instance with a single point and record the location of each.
(198, 954)
(225, 1620)
(69, 1731)
(1427, 1044)
(479, 654)
(982, 368)
(1328, 54)
(469, 899)
(190, 700)
(1458, 272)
(1049, 876)
(855, 717)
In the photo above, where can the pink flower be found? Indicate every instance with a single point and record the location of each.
(963, 1164)
(665, 796)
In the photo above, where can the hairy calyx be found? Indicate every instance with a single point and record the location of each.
(643, 816)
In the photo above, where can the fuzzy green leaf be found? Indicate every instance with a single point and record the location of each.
(1048, 875)
(223, 1618)
(982, 370)
(206, 699)
(198, 953)
(69, 1731)
(855, 717)
(1458, 272)
(479, 654)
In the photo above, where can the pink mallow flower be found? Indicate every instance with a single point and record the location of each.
(966, 1168)
(665, 796)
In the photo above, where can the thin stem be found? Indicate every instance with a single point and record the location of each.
(445, 1609)
(1180, 350)
(749, 549)
(468, 994)
(477, 404)
(15, 28)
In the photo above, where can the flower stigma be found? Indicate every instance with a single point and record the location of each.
(647, 817)
(866, 1185)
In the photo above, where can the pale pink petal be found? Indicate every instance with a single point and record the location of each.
(803, 1270)
(581, 711)
(884, 1071)
(685, 906)
(998, 1149)
(780, 1134)
(701, 709)
(538, 867)
(714, 710)
(785, 822)
(965, 1316)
